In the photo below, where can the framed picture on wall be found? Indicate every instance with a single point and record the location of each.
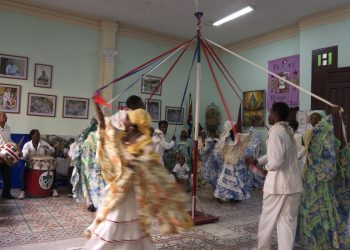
(75, 107)
(43, 75)
(153, 107)
(10, 98)
(122, 105)
(15, 67)
(254, 108)
(41, 105)
(174, 115)
(150, 83)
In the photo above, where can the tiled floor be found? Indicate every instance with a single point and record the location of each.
(58, 223)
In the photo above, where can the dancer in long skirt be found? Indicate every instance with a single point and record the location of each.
(139, 188)
(320, 225)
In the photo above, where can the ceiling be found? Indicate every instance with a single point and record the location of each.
(176, 17)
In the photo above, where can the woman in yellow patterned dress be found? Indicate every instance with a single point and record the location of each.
(139, 188)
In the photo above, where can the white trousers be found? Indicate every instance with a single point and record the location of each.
(280, 209)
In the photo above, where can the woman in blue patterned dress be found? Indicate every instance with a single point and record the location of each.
(212, 162)
(320, 225)
(253, 181)
(231, 179)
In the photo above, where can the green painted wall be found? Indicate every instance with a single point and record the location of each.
(74, 53)
(251, 78)
(322, 37)
(133, 52)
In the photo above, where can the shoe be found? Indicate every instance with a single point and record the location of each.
(55, 193)
(219, 200)
(91, 208)
(70, 195)
(8, 197)
(22, 195)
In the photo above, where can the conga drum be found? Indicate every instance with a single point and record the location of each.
(40, 176)
(10, 153)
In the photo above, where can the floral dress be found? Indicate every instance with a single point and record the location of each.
(252, 180)
(93, 183)
(139, 191)
(320, 225)
(212, 162)
(342, 182)
(230, 184)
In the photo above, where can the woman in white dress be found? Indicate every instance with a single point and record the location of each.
(139, 189)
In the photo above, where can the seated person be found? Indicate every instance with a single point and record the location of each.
(35, 147)
(182, 173)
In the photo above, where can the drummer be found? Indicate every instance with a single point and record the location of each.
(35, 147)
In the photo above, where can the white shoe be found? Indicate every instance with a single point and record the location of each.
(22, 195)
(55, 193)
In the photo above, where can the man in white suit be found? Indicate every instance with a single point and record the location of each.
(283, 183)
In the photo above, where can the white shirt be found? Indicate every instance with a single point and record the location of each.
(43, 149)
(5, 135)
(284, 175)
(71, 150)
(161, 145)
(181, 171)
(301, 149)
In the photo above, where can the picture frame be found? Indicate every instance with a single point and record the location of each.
(122, 105)
(174, 115)
(153, 107)
(15, 67)
(75, 107)
(149, 83)
(41, 105)
(254, 108)
(43, 75)
(10, 98)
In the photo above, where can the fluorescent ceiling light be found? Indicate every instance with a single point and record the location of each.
(235, 15)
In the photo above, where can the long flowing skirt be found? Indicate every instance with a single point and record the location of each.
(121, 229)
(230, 184)
(320, 225)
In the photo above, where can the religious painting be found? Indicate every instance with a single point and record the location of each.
(75, 107)
(149, 85)
(122, 106)
(15, 67)
(153, 107)
(253, 108)
(174, 115)
(10, 98)
(41, 105)
(278, 90)
(43, 75)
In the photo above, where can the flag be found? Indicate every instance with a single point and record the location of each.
(239, 119)
(189, 118)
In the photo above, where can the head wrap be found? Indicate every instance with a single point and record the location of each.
(118, 118)
(141, 119)
(228, 125)
(322, 113)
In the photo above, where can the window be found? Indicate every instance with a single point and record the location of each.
(325, 58)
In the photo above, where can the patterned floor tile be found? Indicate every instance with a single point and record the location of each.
(52, 219)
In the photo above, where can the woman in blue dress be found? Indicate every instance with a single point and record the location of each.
(212, 163)
(230, 185)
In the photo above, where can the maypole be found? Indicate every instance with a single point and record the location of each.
(199, 218)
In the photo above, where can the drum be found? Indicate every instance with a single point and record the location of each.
(10, 153)
(40, 176)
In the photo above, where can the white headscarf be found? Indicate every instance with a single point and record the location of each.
(118, 118)
(228, 126)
